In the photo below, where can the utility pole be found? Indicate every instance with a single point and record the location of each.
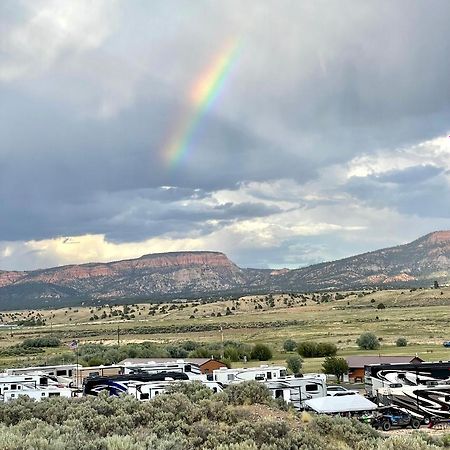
(118, 335)
(223, 349)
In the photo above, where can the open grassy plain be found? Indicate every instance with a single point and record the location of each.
(421, 316)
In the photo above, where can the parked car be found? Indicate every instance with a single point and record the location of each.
(333, 391)
(394, 417)
(446, 344)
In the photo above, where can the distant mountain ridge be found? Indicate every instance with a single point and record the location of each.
(202, 273)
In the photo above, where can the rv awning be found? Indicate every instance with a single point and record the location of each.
(342, 403)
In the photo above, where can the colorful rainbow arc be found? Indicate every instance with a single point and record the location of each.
(203, 94)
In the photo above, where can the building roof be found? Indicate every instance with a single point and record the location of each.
(338, 404)
(361, 361)
(197, 361)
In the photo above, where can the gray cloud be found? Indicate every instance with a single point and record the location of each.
(85, 116)
(420, 190)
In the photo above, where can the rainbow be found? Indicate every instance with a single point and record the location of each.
(202, 95)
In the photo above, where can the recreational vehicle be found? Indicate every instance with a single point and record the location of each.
(378, 376)
(261, 373)
(37, 393)
(432, 401)
(148, 390)
(158, 367)
(118, 384)
(65, 374)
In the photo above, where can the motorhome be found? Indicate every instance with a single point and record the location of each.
(261, 373)
(427, 401)
(379, 376)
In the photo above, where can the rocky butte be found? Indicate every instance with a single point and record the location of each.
(190, 274)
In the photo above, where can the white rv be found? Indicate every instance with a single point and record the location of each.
(148, 390)
(167, 366)
(305, 388)
(261, 373)
(65, 374)
(37, 393)
(34, 386)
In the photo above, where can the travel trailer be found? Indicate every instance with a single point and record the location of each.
(33, 386)
(118, 384)
(148, 390)
(157, 367)
(65, 374)
(261, 373)
(37, 393)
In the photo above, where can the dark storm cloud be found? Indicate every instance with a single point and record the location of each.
(85, 115)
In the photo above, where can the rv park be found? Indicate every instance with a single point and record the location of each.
(420, 316)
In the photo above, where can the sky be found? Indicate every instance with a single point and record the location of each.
(283, 133)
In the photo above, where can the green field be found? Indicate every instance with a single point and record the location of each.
(421, 316)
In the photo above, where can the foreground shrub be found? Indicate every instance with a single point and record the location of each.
(248, 393)
(187, 419)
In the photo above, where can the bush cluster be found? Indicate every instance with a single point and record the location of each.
(189, 417)
(316, 349)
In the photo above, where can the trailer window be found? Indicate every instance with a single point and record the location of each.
(269, 375)
(283, 373)
(61, 373)
(54, 394)
(43, 394)
(43, 381)
(311, 388)
(13, 387)
(70, 372)
(279, 393)
(230, 377)
(144, 396)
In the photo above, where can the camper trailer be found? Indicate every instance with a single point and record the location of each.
(33, 386)
(306, 388)
(118, 384)
(296, 390)
(37, 393)
(148, 390)
(157, 367)
(261, 373)
(65, 374)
